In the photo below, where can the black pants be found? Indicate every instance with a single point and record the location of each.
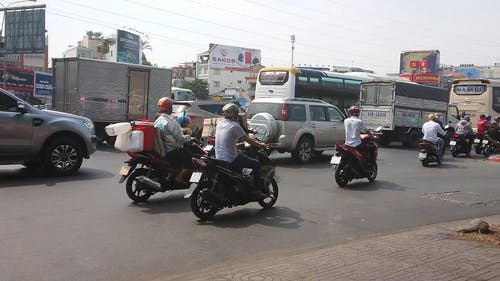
(180, 158)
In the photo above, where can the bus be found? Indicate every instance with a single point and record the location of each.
(340, 89)
(476, 96)
(180, 94)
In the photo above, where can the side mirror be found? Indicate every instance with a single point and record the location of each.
(21, 107)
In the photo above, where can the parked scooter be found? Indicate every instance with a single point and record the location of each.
(428, 153)
(459, 145)
(346, 163)
(147, 173)
(219, 186)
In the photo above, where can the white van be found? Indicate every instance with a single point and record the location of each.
(180, 94)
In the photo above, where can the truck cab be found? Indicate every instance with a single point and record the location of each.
(181, 94)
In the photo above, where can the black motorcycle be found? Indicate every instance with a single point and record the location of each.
(147, 173)
(459, 145)
(219, 186)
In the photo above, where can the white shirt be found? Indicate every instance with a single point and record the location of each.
(227, 134)
(431, 130)
(353, 127)
(172, 135)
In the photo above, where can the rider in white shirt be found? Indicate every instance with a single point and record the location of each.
(353, 128)
(431, 129)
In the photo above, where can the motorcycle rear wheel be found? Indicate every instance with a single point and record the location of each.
(455, 151)
(340, 175)
(372, 170)
(269, 201)
(200, 207)
(134, 192)
(425, 163)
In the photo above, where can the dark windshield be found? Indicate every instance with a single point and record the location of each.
(273, 77)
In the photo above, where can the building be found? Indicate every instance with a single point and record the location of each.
(183, 72)
(229, 69)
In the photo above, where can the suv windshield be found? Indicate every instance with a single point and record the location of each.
(272, 108)
(179, 108)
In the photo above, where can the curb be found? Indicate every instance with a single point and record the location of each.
(494, 158)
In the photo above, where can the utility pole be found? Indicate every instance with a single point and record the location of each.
(292, 39)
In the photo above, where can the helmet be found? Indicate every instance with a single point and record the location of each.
(431, 116)
(164, 103)
(487, 117)
(467, 118)
(437, 115)
(230, 109)
(482, 116)
(353, 110)
(183, 119)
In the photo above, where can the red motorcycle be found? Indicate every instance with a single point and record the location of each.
(347, 162)
(147, 173)
(427, 153)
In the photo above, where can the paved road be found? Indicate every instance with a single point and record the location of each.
(84, 227)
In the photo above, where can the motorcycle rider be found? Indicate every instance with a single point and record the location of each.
(353, 128)
(464, 129)
(431, 129)
(482, 124)
(174, 139)
(184, 121)
(227, 134)
(438, 120)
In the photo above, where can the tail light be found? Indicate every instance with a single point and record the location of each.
(455, 136)
(284, 112)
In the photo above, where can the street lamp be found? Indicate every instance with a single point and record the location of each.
(292, 39)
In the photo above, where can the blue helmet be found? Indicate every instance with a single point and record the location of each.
(487, 117)
(183, 119)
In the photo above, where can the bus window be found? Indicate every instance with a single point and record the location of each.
(302, 80)
(496, 99)
(332, 82)
(314, 80)
(352, 84)
(273, 77)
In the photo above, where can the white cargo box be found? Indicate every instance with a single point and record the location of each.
(118, 128)
(132, 141)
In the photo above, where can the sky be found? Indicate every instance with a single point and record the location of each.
(361, 33)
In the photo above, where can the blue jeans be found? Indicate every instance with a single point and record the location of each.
(244, 161)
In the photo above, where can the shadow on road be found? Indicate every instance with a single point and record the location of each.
(168, 203)
(26, 177)
(372, 186)
(281, 217)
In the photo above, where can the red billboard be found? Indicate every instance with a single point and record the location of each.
(420, 66)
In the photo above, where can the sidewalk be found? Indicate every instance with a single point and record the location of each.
(425, 253)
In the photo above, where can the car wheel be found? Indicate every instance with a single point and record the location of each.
(304, 151)
(63, 157)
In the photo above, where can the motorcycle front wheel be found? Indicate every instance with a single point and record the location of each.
(341, 175)
(135, 192)
(272, 193)
(200, 206)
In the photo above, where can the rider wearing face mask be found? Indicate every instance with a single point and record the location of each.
(227, 134)
(174, 139)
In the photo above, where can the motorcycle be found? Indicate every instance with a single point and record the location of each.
(218, 186)
(147, 173)
(346, 163)
(488, 145)
(459, 145)
(428, 153)
(478, 143)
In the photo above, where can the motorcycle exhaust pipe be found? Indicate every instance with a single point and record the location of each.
(148, 182)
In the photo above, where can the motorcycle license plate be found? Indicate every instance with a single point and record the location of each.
(422, 155)
(208, 147)
(124, 170)
(453, 142)
(195, 177)
(335, 160)
(485, 141)
(477, 140)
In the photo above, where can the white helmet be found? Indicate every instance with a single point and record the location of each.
(230, 109)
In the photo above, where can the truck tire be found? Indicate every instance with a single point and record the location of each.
(412, 139)
(63, 157)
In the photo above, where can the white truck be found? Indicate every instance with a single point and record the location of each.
(396, 110)
(108, 92)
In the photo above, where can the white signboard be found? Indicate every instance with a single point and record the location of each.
(234, 58)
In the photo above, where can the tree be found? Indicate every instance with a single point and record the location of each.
(145, 60)
(94, 35)
(199, 87)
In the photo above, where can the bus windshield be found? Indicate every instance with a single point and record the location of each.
(273, 77)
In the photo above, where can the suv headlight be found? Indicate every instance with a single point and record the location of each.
(89, 125)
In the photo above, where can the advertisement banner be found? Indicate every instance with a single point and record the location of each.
(43, 85)
(19, 80)
(128, 47)
(233, 58)
(421, 66)
(25, 31)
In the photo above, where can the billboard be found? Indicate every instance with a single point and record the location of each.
(232, 58)
(25, 31)
(19, 80)
(43, 85)
(420, 66)
(128, 47)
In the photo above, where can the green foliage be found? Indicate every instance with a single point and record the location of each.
(199, 87)
(94, 35)
(145, 60)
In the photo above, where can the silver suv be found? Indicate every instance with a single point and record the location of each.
(42, 138)
(304, 127)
